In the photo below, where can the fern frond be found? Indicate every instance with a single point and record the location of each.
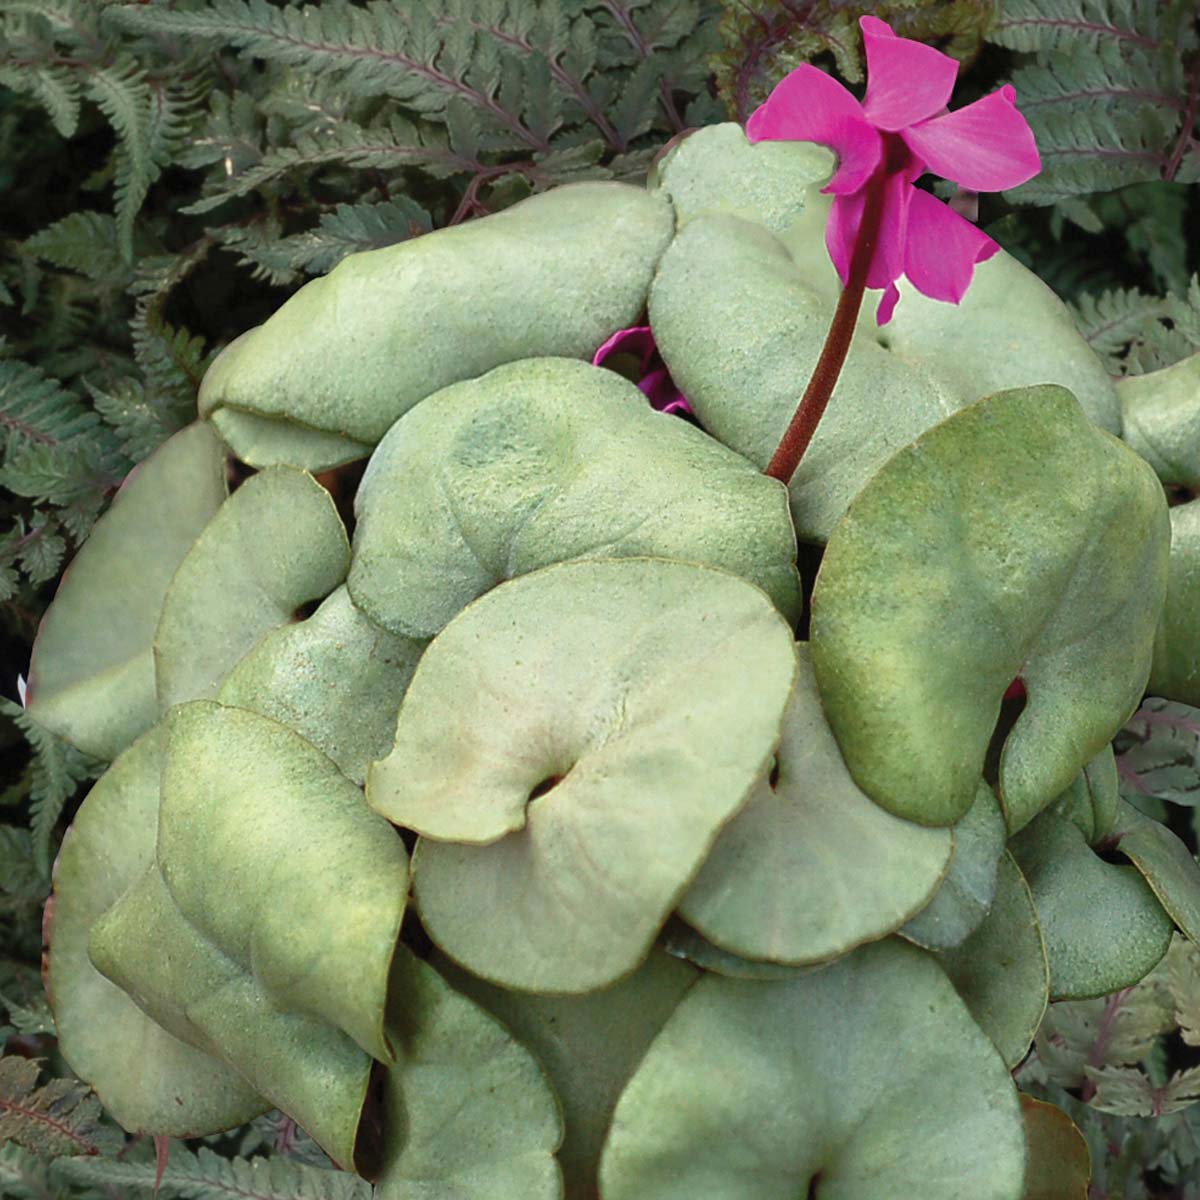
(20, 878)
(350, 228)
(56, 88)
(1096, 152)
(24, 1176)
(391, 48)
(1083, 81)
(208, 1176)
(59, 1118)
(58, 770)
(28, 1019)
(1114, 318)
(394, 145)
(1184, 312)
(36, 410)
(57, 474)
(82, 241)
(126, 99)
(1042, 25)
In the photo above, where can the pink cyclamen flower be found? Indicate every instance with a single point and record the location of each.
(650, 373)
(900, 130)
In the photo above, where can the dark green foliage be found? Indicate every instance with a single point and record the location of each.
(764, 39)
(56, 1118)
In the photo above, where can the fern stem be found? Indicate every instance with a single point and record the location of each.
(622, 14)
(803, 426)
(558, 72)
(59, 1127)
(1113, 31)
(1187, 127)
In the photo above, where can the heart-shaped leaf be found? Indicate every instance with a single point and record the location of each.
(543, 461)
(351, 352)
(265, 931)
(681, 941)
(1060, 1167)
(590, 1046)
(337, 679)
(1001, 970)
(1014, 539)
(740, 329)
(275, 544)
(811, 867)
(1161, 413)
(718, 169)
(299, 1063)
(967, 892)
(1176, 672)
(574, 740)
(147, 1079)
(1103, 928)
(98, 692)
(1091, 800)
(468, 1113)
(274, 856)
(1010, 330)
(867, 1080)
(1167, 865)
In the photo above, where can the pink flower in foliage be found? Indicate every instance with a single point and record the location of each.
(900, 130)
(638, 347)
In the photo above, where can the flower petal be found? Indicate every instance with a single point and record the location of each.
(845, 219)
(987, 146)
(809, 106)
(941, 248)
(907, 81)
(637, 341)
(887, 304)
(662, 391)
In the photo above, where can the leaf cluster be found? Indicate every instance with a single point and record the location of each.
(1108, 1063)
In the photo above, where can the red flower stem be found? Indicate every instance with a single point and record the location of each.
(812, 405)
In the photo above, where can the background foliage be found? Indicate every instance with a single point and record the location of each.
(170, 170)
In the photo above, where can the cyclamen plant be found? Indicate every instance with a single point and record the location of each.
(697, 909)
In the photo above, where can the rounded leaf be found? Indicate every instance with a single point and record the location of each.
(337, 679)
(1001, 970)
(300, 1064)
(150, 1081)
(273, 855)
(1010, 330)
(275, 544)
(1166, 864)
(467, 1112)
(352, 351)
(590, 1046)
(1092, 799)
(1014, 539)
(811, 867)
(740, 329)
(681, 941)
(868, 1078)
(543, 461)
(1060, 1167)
(1176, 671)
(967, 892)
(1103, 928)
(718, 169)
(1161, 415)
(98, 692)
(574, 740)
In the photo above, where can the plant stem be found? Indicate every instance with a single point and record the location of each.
(803, 425)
